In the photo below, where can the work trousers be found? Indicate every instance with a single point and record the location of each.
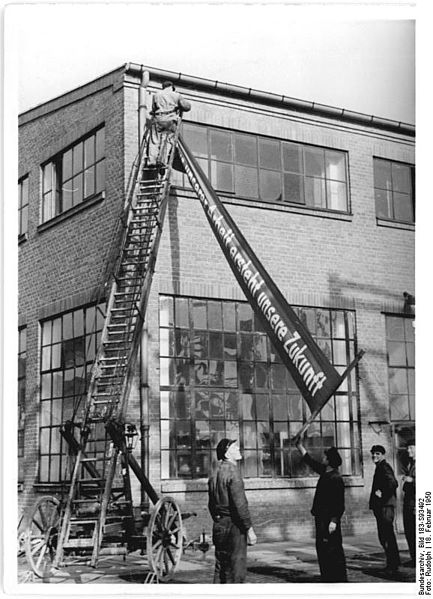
(162, 131)
(385, 529)
(330, 552)
(409, 529)
(230, 552)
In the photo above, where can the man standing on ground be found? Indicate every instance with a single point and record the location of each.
(328, 507)
(228, 505)
(409, 503)
(383, 502)
(167, 108)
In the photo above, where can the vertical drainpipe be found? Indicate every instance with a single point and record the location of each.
(144, 383)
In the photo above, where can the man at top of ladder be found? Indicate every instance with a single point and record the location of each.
(167, 107)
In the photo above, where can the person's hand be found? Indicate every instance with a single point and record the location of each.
(407, 479)
(251, 537)
(378, 493)
(332, 527)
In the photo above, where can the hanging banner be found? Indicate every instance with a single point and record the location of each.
(312, 372)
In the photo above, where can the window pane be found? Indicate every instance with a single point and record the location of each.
(100, 143)
(399, 405)
(396, 353)
(196, 139)
(395, 328)
(89, 151)
(77, 158)
(270, 154)
(181, 312)
(293, 188)
(245, 149)
(89, 182)
(24, 220)
(270, 186)
(335, 165)
(100, 176)
(229, 316)
(292, 158)
(383, 203)
(403, 207)
(78, 187)
(315, 192)
(199, 314)
(220, 145)
(397, 380)
(215, 315)
(47, 180)
(246, 183)
(337, 199)
(279, 407)
(382, 174)
(401, 178)
(222, 176)
(314, 162)
(67, 165)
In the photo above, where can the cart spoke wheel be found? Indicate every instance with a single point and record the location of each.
(164, 538)
(41, 535)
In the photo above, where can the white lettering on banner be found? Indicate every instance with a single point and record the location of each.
(312, 380)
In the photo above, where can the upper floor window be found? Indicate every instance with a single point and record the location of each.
(23, 205)
(394, 190)
(400, 343)
(22, 360)
(74, 175)
(221, 377)
(269, 170)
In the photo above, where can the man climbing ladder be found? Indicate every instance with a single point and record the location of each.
(167, 108)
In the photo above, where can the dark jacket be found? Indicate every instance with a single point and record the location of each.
(385, 481)
(409, 488)
(328, 500)
(227, 495)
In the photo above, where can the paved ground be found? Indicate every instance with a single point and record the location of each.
(279, 562)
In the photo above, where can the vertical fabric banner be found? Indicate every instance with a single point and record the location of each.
(312, 372)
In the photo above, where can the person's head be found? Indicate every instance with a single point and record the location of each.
(167, 84)
(377, 453)
(228, 449)
(332, 458)
(410, 446)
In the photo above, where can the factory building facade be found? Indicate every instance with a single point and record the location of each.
(325, 197)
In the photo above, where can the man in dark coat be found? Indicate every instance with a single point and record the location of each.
(409, 502)
(328, 507)
(228, 506)
(382, 502)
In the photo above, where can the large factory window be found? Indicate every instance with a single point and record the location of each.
(269, 170)
(394, 188)
(220, 377)
(400, 341)
(22, 366)
(73, 176)
(68, 347)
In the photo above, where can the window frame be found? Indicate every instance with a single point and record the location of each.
(60, 367)
(23, 206)
(407, 368)
(53, 200)
(390, 201)
(261, 170)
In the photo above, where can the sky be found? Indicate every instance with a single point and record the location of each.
(357, 59)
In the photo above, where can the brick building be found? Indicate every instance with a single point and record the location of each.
(324, 196)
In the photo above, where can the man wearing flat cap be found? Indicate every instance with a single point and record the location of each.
(228, 506)
(167, 108)
(328, 508)
(383, 501)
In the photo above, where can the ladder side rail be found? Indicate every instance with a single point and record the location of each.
(164, 194)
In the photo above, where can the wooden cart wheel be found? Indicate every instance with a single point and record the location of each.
(41, 534)
(164, 538)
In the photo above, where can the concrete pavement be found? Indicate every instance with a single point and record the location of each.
(278, 562)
